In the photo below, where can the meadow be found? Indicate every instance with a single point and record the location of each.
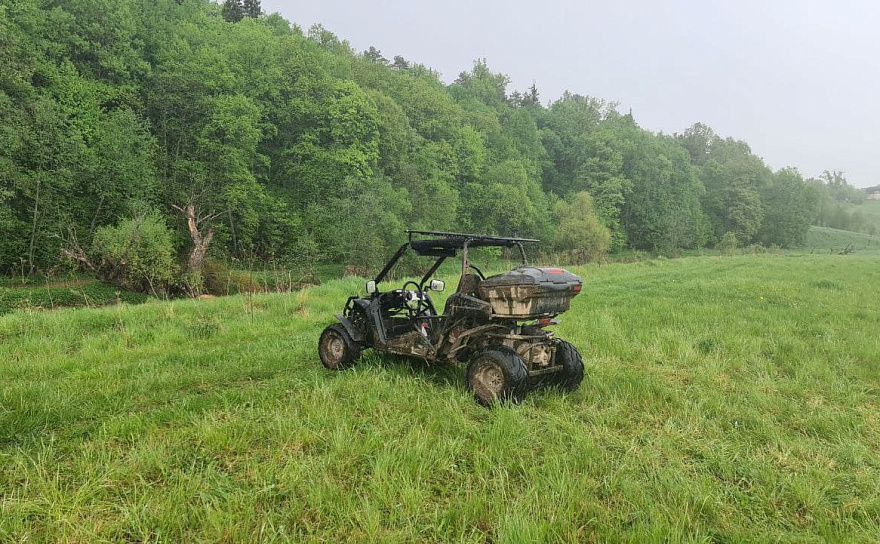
(52, 293)
(725, 399)
(828, 240)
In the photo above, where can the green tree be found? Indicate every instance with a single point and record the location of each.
(121, 170)
(374, 55)
(227, 149)
(662, 210)
(790, 206)
(483, 86)
(733, 200)
(258, 139)
(47, 160)
(579, 231)
(400, 63)
(12, 234)
(233, 10)
(99, 38)
(252, 9)
(601, 174)
(361, 223)
(840, 190)
(698, 140)
(508, 202)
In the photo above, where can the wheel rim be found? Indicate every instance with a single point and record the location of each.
(333, 349)
(488, 380)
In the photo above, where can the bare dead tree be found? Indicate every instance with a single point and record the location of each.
(73, 250)
(201, 236)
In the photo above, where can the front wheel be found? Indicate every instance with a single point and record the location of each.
(497, 374)
(337, 349)
(572, 373)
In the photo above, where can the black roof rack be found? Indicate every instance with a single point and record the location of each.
(443, 242)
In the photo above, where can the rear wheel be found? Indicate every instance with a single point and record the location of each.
(497, 374)
(572, 373)
(337, 349)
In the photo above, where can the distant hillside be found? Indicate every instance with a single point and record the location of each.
(856, 215)
(828, 240)
(871, 210)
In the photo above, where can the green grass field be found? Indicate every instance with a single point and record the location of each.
(830, 241)
(726, 399)
(48, 295)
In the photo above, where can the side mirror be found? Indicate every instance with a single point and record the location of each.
(371, 287)
(437, 285)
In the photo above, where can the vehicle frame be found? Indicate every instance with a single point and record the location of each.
(517, 354)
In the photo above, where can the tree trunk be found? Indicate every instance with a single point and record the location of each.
(74, 251)
(95, 217)
(200, 241)
(232, 230)
(34, 227)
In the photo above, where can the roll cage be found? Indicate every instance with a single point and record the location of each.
(447, 244)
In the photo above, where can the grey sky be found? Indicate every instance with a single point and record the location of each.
(798, 80)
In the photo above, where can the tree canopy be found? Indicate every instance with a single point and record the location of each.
(287, 145)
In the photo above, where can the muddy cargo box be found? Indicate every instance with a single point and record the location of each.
(528, 292)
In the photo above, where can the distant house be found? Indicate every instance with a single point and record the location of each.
(874, 196)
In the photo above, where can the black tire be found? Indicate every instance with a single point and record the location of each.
(572, 373)
(497, 375)
(336, 348)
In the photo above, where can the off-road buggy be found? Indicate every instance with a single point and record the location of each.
(496, 324)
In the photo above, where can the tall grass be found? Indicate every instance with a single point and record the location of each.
(52, 295)
(725, 399)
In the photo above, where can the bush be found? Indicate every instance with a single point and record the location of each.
(220, 280)
(757, 249)
(137, 254)
(728, 243)
(580, 233)
(215, 277)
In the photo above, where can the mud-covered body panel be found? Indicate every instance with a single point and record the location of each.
(530, 292)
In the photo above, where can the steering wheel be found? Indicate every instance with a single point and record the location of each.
(477, 270)
(414, 300)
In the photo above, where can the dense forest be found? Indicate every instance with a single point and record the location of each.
(141, 138)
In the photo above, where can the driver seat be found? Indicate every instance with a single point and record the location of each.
(469, 285)
(466, 300)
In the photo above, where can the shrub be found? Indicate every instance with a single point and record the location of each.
(728, 243)
(757, 249)
(579, 231)
(215, 277)
(137, 254)
(220, 280)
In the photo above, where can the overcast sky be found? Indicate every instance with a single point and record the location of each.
(798, 80)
